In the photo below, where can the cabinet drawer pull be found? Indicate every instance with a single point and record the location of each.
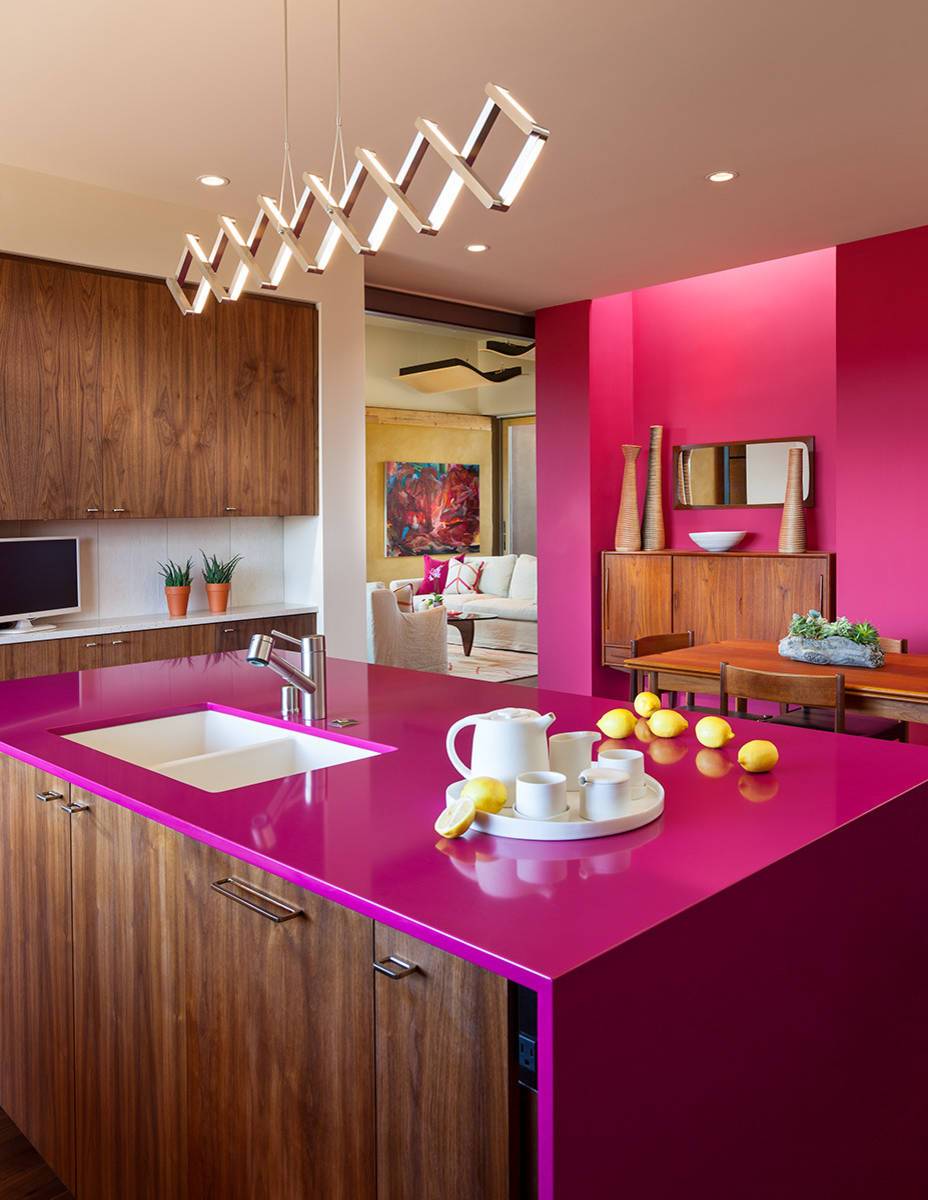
(118, 642)
(120, 510)
(821, 595)
(91, 510)
(229, 629)
(287, 911)
(394, 968)
(45, 797)
(91, 645)
(74, 807)
(231, 508)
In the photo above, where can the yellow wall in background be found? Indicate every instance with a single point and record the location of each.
(421, 443)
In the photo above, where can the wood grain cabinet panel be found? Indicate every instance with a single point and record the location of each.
(707, 595)
(279, 1038)
(266, 380)
(158, 401)
(636, 597)
(130, 1082)
(775, 588)
(19, 660)
(237, 634)
(36, 1003)
(50, 332)
(443, 1086)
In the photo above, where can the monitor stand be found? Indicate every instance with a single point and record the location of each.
(26, 626)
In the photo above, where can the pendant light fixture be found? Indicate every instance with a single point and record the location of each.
(395, 188)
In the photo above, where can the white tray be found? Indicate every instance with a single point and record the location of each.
(570, 826)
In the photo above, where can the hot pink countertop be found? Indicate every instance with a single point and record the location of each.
(361, 833)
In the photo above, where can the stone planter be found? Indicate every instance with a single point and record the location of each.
(831, 652)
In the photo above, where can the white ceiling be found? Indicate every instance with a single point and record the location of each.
(822, 105)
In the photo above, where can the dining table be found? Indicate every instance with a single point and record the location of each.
(897, 690)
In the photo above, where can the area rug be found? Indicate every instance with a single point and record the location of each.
(492, 666)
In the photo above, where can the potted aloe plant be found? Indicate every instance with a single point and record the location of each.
(217, 575)
(176, 585)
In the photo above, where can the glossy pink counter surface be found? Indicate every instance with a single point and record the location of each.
(361, 833)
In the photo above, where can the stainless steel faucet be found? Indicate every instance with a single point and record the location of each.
(309, 677)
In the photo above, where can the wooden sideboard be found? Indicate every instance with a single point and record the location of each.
(55, 655)
(115, 405)
(719, 596)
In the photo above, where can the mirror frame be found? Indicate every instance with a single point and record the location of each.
(809, 441)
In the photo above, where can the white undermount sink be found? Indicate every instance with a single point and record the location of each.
(218, 751)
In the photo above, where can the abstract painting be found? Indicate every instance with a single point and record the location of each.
(431, 508)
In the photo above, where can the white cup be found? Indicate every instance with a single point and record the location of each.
(541, 795)
(631, 761)
(570, 753)
(604, 793)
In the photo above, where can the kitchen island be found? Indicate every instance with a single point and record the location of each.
(728, 1001)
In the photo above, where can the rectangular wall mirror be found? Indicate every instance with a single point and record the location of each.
(739, 474)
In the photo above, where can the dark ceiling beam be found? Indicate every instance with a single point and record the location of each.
(408, 306)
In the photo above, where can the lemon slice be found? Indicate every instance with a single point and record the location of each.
(456, 819)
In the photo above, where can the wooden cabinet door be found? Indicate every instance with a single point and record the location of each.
(707, 596)
(19, 660)
(636, 598)
(279, 1038)
(775, 588)
(443, 1077)
(237, 634)
(36, 1003)
(266, 380)
(159, 418)
(130, 1084)
(49, 391)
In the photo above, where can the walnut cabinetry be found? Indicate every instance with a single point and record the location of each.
(175, 1023)
(18, 660)
(114, 405)
(718, 596)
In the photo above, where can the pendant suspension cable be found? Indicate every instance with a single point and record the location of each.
(338, 147)
(287, 168)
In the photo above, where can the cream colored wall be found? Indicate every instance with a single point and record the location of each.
(417, 443)
(72, 222)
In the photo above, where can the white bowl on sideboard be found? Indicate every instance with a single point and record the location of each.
(718, 540)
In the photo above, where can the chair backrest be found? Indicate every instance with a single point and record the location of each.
(894, 645)
(416, 641)
(657, 643)
(808, 691)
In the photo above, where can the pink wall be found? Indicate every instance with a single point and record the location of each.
(748, 353)
(882, 338)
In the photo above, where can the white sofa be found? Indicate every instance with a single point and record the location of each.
(507, 591)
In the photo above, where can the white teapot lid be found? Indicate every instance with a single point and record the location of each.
(511, 714)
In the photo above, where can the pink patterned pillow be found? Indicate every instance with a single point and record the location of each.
(463, 576)
(435, 573)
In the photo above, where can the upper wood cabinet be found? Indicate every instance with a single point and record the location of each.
(266, 385)
(113, 404)
(49, 391)
(158, 404)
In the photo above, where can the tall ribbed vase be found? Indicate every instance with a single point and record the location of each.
(793, 522)
(652, 530)
(628, 524)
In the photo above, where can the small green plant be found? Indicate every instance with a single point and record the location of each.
(175, 574)
(813, 625)
(216, 571)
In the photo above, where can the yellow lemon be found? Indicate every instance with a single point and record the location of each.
(617, 723)
(667, 723)
(456, 819)
(486, 794)
(758, 756)
(646, 703)
(713, 732)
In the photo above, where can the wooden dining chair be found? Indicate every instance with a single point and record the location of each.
(824, 693)
(659, 643)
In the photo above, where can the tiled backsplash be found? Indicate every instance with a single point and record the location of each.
(119, 559)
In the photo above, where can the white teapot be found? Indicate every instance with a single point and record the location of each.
(507, 742)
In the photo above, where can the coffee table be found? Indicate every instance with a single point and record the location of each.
(464, 622)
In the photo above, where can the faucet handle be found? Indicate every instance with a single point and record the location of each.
(285, 637)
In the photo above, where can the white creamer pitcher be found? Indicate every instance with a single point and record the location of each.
(507, 742)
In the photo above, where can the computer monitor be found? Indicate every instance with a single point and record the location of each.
(39, 577)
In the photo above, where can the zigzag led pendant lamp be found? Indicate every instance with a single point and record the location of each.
(288, 230)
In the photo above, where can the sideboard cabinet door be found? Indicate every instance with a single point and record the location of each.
(36, 1011)
(279, 1005)
(636, 598)
(443, 1078)
(707, 596)
(775, 588)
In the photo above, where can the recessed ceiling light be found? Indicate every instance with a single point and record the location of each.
(212, 180)
(722, 176)
(477, 247)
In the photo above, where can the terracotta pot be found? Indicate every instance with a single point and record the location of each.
(217, 596)
(178, 598)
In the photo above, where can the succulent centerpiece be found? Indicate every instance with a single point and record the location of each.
(843, 643)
